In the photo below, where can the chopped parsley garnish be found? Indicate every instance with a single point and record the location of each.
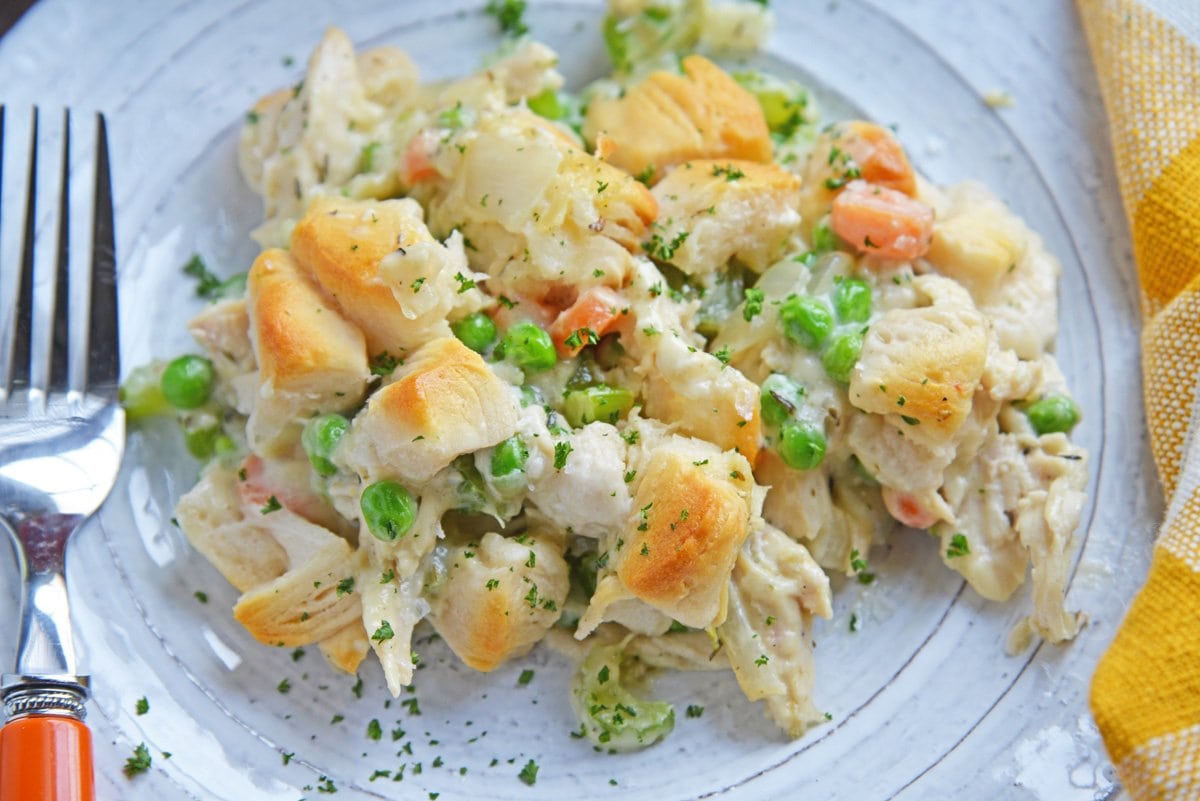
(272, 505)
(383, 633)
(646, 175)
(561, 451)
(374, 730)
(208, 285)
(661, 249)
(853, 622)
(387, 576)
(384, 363)
(722, 355)
(287, 756)
(510, 15)
(297, 654)
(345, 586)
(958, 546)
(581, 337)
(529, 773)
(762, 660)
(201, 596)
(602, 676)
(464, 283)
(284, 687)
(525, 677)
(730, 172)
(139, 762)
(142, 706)
(859, 566)
(912, 421)
(754, 304)
(492, 584)
(694, 711)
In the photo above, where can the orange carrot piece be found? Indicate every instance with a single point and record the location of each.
(881, 221)
(596, 312)
(880, 156)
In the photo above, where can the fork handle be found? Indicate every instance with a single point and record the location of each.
(46, 758)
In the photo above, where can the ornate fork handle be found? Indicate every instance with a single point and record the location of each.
(45, 681)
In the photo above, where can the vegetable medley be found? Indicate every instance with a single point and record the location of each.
(631, 369)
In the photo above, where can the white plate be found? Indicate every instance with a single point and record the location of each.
(924, 703)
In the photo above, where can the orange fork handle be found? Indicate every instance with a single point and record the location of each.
(46, 759)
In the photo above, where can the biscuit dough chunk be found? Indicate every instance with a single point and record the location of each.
(921, 366)
(692, 508)
(668, 119)
(443, 402)
(729, 209)
(500, 595)
(310, 358)
(341, 242)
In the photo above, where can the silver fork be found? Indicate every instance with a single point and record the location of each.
(62, 430)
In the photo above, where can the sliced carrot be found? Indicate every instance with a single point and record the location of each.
(907, 509)
(418, 158)
(881, 221)
(596, 312)
(879, 156)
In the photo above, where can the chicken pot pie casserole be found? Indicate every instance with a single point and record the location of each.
(631, 369)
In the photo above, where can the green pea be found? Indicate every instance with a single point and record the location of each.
(601, 402)
(320, 437)
(548, 105)
(781, 396)
(802, 445)
(841, 355)
(388, 509)
(852, 300)
(1052, 413)
(142, 394)
(187, 382)
(202, 442)
(509, 457)
(805, 320)
(476, 331)
(529, 347)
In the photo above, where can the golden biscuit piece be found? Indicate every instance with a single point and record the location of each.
(688, 523)
(668, 119)
(310, 358)
(922, 366)
(500, 596)
(346, 648)
(444, 401)
(340, 243)
(210, 516)
(729, 209)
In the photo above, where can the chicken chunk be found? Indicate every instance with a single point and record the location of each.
(775, 590)
(729, 209)
(668, 119)
(310, 358)
(540, 211)
(443, 402)
(588, 495)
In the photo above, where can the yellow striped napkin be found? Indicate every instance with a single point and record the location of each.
(1146, 691)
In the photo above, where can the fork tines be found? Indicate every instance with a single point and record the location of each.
(56, 252)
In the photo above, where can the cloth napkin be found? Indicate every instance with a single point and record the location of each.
(1146, 690)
